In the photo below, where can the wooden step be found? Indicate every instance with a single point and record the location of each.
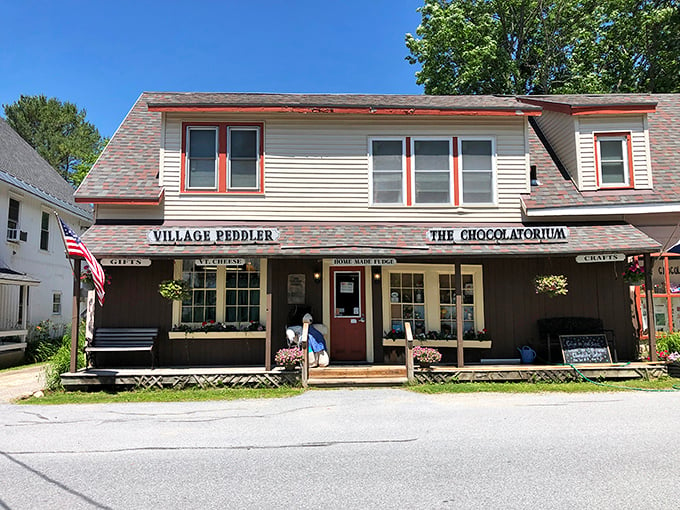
(358, 372)
(356, 382)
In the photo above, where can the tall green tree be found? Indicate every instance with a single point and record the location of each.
(59, 132)
(543, 46)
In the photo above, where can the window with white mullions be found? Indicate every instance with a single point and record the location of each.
(388, 165)
(13, 220)
(432, 171)
(201, 305)
(613, 160)
(477, 170)
(244, 158)
(201, 153)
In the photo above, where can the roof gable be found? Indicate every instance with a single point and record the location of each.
(21, 166)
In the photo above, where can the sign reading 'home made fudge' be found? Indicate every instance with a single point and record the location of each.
(472, 235)
(211, 235)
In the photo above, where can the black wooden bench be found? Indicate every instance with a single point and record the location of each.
(123, 340)
(550, 329)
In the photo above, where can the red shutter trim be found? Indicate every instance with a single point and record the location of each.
(456, 177)
(409, 184)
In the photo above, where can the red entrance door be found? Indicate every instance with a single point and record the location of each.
(348, 317)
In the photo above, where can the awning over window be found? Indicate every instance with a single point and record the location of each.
(11, 277)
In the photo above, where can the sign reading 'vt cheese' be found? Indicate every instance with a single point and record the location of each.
(212, 235)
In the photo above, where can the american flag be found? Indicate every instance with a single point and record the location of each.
(76, 248)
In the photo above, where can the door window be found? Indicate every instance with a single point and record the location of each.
(347, 294)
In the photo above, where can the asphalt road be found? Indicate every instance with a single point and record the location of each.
(380, 448)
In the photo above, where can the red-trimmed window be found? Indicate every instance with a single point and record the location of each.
(388, 170)
(432, 170)
(476, 163)
(222, 158)
(613, 158)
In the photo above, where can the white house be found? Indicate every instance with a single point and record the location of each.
(36, 280)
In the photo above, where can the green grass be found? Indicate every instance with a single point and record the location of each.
(165, 395)
(665, 383)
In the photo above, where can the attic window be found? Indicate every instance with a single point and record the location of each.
(533, 176)
(613, 160)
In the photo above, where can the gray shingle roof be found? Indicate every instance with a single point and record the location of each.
(337, 100)
(23, 167)
(599, 100)
(128, 167)
(360, 239)
(664, 133)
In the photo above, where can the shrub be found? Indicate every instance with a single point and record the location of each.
(61, 360)
(668, 342)
(43, 341)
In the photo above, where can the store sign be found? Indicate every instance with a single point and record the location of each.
(126, 262)
(600, 257)
(479, 235)
(220, 262)
(364, 262)
(212, 235)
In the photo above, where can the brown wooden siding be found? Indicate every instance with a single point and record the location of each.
(132, 300)
(512, 308)
(281, 310)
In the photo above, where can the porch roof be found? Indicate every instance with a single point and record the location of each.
(361, 239)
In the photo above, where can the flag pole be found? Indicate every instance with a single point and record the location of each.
(75, 268)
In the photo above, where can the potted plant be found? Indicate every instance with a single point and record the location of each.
(174, 290)
(425, 356)
(551, 284)
(634, 274)
(289, 358)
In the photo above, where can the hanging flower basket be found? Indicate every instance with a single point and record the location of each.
(634, 274)
(551, 284)
(87, 280)
(175, 290)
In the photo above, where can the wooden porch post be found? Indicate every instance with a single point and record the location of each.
(408, 346)
(75, 315)
(305, 354)
(459, 315)
(268, 334)
(270, 324)
(649, 294)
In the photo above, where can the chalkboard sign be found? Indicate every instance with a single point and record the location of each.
(585, 349)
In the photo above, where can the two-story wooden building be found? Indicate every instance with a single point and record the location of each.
(370, 211)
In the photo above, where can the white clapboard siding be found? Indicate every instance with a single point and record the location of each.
(317, 169)
(130, 212)
(635, 124)
(560, 131)
(9, 306)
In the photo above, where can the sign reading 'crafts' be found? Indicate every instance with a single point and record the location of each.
(212, 235)
(475, 235)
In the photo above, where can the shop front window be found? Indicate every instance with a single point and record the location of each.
(407, 302)
(447, 305)
(425, 297)
(201, 306)
(242, 294)
(224, 294)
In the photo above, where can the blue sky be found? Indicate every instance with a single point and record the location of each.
(102, 55)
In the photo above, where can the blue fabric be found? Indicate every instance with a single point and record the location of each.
(315, 340)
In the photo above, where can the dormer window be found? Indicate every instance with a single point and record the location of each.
(222, 157)
(202, 157)
(613, 153)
